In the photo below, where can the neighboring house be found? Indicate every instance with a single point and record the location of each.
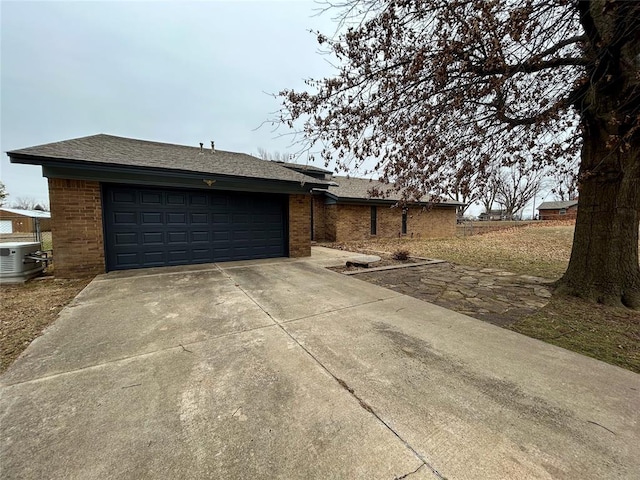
(15, 220)
(120, 203)
(494, 215)
(346, 211)
(558, 210)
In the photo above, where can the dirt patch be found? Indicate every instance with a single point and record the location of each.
(27, 309)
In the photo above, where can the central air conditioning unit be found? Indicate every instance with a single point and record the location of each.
(19, 261)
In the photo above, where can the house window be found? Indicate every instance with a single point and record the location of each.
(563, 211)
(374, 220)
(404, 221)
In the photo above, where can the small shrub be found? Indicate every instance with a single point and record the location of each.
(401, 255)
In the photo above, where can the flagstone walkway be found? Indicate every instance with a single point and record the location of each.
(487, 294)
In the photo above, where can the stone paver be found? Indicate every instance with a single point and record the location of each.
(487, 294)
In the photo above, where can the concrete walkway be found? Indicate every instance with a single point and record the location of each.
(283, 369)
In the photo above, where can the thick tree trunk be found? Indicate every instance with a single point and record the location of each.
(604, 260)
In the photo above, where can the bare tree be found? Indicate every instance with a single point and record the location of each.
(464, 188)
(489, 190)
(516, 188)
(276, 156)
(3, 194)
(565, 183)
(29, 203)
(424, 86)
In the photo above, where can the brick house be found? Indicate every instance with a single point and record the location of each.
(120, 203)
(347, 211)
(558, 210)
(15, 220)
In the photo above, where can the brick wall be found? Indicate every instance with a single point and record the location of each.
(353, 222)
(330, 222)
(299, 225)
(76, 214)
(571, 213)
(319, 216)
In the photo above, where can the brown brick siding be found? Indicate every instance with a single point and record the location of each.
(24, 224)
(76, 214)
(572, 212)
(299, 225)
(353, 222)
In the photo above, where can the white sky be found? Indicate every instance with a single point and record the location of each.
(183, 73)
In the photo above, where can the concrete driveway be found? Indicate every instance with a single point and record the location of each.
(283, 369)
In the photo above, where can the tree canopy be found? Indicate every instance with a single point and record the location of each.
(427, 89)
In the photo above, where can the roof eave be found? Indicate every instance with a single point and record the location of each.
(65, 163)
(385, 201)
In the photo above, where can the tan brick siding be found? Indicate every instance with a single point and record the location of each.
(330, 222)
(299, 225)
(319, 216)
(353, 222)
(76, 217)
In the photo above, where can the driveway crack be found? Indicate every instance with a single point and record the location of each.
(363, 404)
(410, 473)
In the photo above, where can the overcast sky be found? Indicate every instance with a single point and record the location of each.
(165, 71)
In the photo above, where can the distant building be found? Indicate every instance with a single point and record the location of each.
(494, 215)
(558, 210)
(14, 220)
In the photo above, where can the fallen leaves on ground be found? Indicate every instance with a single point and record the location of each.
(27, 309)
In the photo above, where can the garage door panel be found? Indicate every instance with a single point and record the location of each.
(203, 254)
(125, 218)
(152, 238)
(176, 199)
(200, 237)
(126, 238)
(176, 237)
(151, 218)
(150, 198)
(123, 197)
(199, 199)
(153, 258)
(176, 218)
(199, 219)
(152, 227)
(178, 256)
(127, 259)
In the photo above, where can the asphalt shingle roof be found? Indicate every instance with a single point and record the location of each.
(557, 205)
(112, 150)
(359, 188)
(302, 167)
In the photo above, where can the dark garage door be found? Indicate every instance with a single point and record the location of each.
(149, 227)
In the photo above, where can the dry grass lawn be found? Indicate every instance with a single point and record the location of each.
(608, 334)
(532, 250)
(27, 309)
